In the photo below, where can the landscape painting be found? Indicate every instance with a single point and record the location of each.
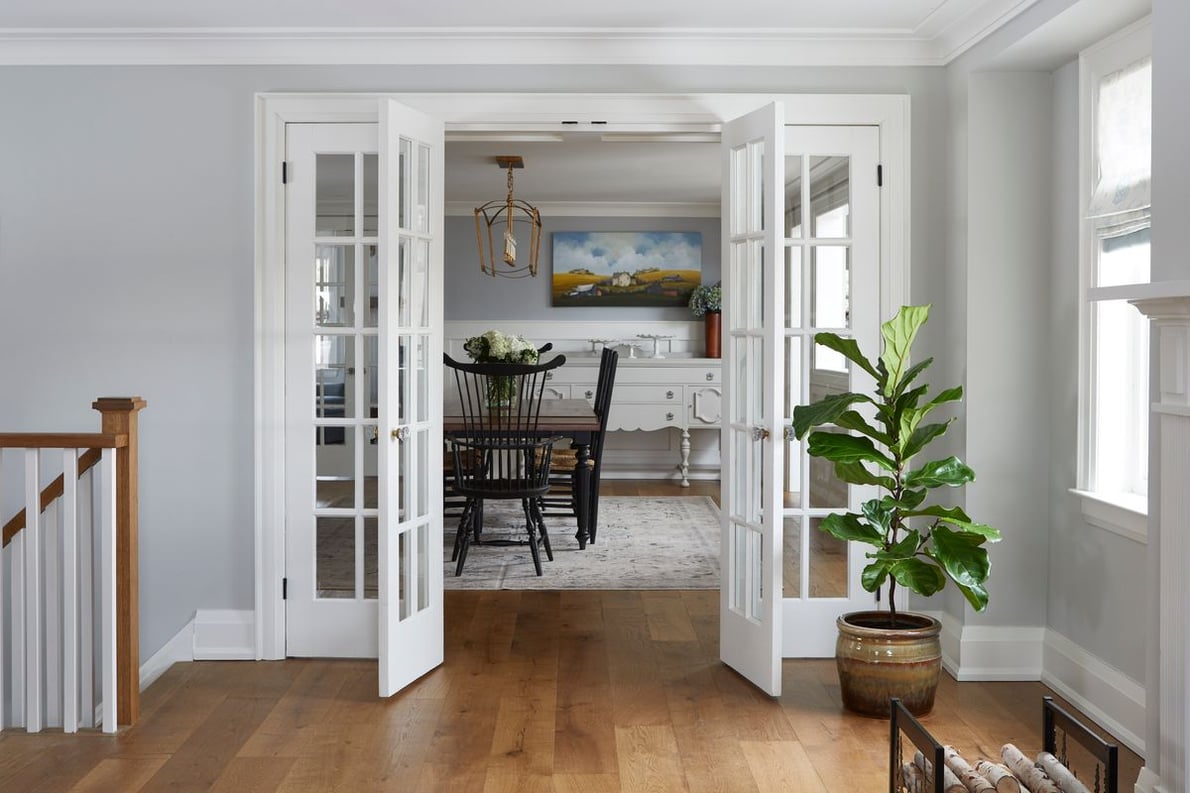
(630, 268)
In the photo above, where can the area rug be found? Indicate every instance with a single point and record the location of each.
(642, 543)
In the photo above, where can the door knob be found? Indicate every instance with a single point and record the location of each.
(759, 433)
(401, 433)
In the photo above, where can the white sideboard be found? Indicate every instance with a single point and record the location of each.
(651, 394)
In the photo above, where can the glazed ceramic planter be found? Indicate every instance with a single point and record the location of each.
(876, 662)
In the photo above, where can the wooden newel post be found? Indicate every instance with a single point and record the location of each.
(119, 416)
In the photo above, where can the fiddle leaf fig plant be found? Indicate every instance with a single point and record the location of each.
(918, 545)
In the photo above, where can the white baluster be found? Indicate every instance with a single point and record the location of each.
(51, 682)
(88, 509)
(107, 575)
(16, 655)
(4, 601)
(33, 621)
(70, 628)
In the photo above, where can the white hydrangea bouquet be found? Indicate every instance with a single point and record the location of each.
(497, 347)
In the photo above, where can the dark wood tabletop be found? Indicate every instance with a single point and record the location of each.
(563, 416)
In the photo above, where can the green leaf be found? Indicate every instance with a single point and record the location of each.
(949, 395)
(849, 348)
(848, 526)
(911, 375)
(909, 500)
(966, 564)
(918, 575)
(840, 448)
(899, 333)
(976, 595)
(854, 421)
(905, 549)
(826, 411)
(878, 514)
(857, 474)
(874, 575)
(955, 516)
(950, 472)
(920, 437)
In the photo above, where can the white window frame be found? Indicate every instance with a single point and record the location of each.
(1124, 516)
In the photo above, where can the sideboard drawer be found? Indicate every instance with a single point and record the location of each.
(644, 417)
(657, 394)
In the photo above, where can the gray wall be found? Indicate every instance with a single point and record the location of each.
(126, 267)
(1007, 287)
(471, 295)
(1092, 573)
(1171, 141)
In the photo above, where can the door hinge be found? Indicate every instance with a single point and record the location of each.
(880, 176)
(285, 589)
(284, 172)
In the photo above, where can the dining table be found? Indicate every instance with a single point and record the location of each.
(568, 418)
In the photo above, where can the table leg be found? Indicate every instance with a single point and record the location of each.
(582, 487)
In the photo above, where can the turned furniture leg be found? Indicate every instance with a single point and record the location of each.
(685, 457)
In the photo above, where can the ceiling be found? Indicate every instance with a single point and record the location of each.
(564, 173)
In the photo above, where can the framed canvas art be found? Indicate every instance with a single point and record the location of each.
(626, 268)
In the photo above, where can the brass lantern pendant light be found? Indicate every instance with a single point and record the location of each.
(499, 220)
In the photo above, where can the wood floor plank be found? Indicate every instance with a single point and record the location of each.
(587, 783)
(126, 774)
(780, 766)
(649, 759)
(253, 775)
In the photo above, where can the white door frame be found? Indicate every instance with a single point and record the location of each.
(502, 111)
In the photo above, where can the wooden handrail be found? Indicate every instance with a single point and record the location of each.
(52, 491)
(63, 440)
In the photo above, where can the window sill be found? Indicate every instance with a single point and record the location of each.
(1126, 516)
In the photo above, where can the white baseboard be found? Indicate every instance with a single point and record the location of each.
(991, 652)
(179, 648)
(1104, 693)
(224, 635)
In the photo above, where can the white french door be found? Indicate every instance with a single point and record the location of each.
(832, 276)
(363, 326)
(750, 553)
(785, 279)
(411, 616)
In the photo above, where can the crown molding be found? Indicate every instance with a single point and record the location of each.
(607, 209)
(527, 46)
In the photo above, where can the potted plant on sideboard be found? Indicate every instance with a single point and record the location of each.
(918, 545)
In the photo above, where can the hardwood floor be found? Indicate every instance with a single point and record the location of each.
(559, 691)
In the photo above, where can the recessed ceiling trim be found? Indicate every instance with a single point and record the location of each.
(280, 46)
(627, 209)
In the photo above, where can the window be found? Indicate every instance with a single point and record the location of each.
(1116, 87)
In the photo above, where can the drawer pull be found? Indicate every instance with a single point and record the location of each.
(710, 376)
(590, 394)
(669, 416)
(549, 375)
(669, 394)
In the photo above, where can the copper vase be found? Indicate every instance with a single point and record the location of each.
(711, 324)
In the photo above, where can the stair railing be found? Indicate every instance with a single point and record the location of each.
(71, 602)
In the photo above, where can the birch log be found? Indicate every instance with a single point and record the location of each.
(912, 778)
(971, 779)
(1000, 777)
(950, 782)
(1061, 775)
(1023, 768)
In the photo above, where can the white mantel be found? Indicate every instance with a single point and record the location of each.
(1167, 304)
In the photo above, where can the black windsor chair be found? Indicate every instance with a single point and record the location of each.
(562, 499)
(500, 454)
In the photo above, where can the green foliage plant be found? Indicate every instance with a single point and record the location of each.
(918, 545)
